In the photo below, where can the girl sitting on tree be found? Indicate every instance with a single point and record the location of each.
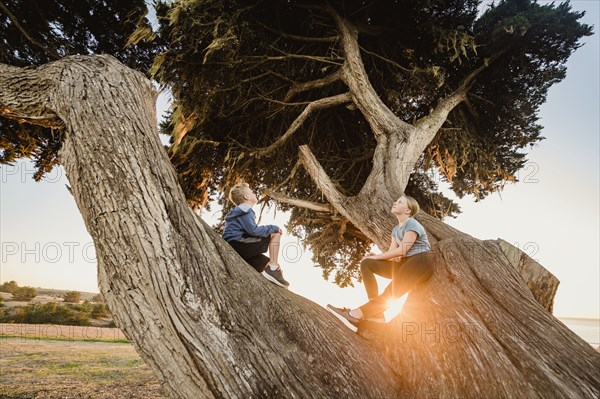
(407, 262)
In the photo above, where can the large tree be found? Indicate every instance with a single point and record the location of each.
(201, 318)
(210, 327)
(384, 97)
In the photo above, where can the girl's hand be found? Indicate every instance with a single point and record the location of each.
(369, 255)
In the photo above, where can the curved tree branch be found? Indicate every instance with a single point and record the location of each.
(313, 84)
(438, 116)
(15, 21)
(322, 103)
(381, 119)
(320, 177)
(188, 305)
(384, 59)
(314, 206)
(428, 126)
(288, 56)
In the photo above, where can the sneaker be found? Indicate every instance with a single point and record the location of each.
(344, 315)
(275, 276)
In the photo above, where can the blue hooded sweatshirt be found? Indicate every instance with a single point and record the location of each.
(240, 225)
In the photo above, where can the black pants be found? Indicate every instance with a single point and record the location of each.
(252, 252)
(405, 275)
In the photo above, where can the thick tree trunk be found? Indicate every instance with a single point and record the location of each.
(206, 323)
(541, 282)
(210, 327)
(476, 320)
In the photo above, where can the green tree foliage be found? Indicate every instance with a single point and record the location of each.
(55, 313)
(98, 298)
(34, 32)
(9, 286)
(24, 294)
(100, 310)
(236, 69)
(72, 296)
(52, 313)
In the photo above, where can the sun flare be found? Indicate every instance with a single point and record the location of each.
(395, 307)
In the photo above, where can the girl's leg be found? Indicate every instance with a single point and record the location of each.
(369, 268)
(415, 270)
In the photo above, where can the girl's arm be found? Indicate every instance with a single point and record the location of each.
(393, 244)
(400, 250)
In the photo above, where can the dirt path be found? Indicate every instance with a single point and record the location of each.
(32, 368)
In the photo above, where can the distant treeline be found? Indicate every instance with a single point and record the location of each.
(55, 313)
(26, 294)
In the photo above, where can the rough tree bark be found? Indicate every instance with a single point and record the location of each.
(210, 327)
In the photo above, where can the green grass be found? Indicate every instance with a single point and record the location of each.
(34, 368)
(68, 365)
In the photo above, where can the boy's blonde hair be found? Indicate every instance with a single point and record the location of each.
(237, 192)
(412, 204)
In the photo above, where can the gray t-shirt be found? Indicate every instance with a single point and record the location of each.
(421, 244)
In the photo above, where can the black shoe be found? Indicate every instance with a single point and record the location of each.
(275, 276)
(344, 315)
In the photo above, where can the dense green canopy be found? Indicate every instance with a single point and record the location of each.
(34, 32)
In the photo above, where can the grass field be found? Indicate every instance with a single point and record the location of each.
(51, 361)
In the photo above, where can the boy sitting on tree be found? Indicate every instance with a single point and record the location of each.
(252, 241)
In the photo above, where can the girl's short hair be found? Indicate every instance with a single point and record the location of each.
(237, 192)
(412, 204)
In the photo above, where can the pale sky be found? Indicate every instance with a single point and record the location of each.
(552, 214)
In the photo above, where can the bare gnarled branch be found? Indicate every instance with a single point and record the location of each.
(379, 116)
(322, 103)
(287, 56)
(313, 84)
(320, 177)
(438, 116)
(315, 206)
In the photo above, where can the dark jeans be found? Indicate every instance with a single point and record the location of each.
(252, 252)
(405, 275)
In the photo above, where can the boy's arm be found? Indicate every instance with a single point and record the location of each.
(250, 227)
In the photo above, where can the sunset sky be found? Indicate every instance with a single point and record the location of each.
(552, 213)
